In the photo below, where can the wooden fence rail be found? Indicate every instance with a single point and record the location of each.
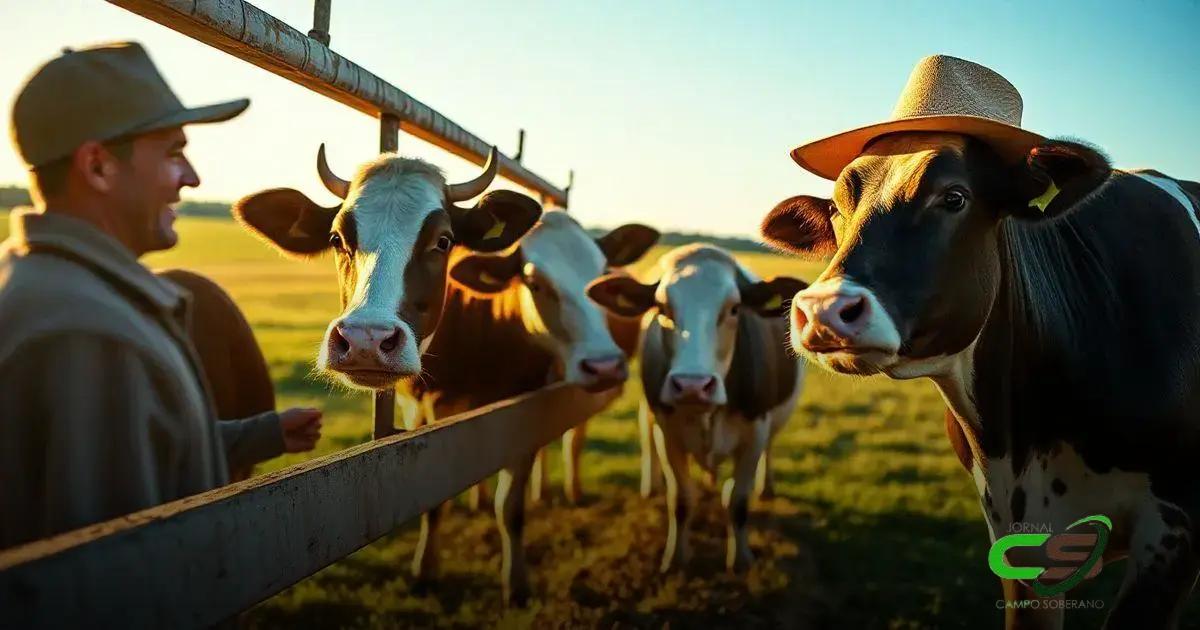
(199, 560)
(248, 33)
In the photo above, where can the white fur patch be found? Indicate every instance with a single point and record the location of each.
(1171, 187)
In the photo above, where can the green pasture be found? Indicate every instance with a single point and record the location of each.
(876, 524)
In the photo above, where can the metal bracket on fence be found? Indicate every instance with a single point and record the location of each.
(320, 29)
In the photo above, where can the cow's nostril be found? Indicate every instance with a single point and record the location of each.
(852, 312)
(710, 385)
(340, 345)
(388, 345)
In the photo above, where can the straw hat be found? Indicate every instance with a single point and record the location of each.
(945, 94)
(100, 93)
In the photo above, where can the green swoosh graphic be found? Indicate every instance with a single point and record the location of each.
(1103, 526)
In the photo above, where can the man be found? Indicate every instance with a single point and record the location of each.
(104, 409)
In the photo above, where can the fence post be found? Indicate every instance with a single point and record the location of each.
(385, 399)
(320, 29)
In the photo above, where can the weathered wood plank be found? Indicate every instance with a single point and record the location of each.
(248, 33)
(197, 561)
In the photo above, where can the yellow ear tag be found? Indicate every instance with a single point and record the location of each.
(488, 278)
(773, 303)
(496, 232)
(1043, 202)
(624, 303)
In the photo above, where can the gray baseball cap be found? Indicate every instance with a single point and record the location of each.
(99, 93)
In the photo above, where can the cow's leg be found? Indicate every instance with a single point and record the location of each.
(680, 498)
(1019, 616)
(764, 479)
(425, 560)
(510, 518)
(736, 499)
(539, 477)
(572, 446)
(651, 471)
(479, 497)
(1161, 572)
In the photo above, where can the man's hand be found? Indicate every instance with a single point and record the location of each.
(301, 429)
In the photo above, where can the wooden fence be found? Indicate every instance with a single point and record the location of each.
(200, 560)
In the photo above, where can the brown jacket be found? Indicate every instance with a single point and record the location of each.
(104, 409)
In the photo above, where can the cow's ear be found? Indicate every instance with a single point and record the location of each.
(1056, 175)
(622, 295)
(771, 298)
(800, 225)
(486, 274)
(498, 220)
(287, 219)
(626, 244)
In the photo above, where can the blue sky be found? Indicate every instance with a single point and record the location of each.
(678, 114)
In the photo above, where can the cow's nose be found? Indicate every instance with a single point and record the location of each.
(357, 344)
(693, 387)
(605, 372)
(835, 319)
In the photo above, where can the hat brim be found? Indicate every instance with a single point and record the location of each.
(219, 112)
(828, 156)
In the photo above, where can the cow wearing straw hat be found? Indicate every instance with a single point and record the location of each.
(1024, 276)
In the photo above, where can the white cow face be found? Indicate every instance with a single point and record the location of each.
(697, 303)
(391, 239)
(549, 272)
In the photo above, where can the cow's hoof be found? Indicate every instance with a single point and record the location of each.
(517, 597)
(574, 496)
(767, 493)
(675, 562)
(422, 586)
(740, 563)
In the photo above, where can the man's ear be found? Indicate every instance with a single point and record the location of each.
(771, 298)
(498, 220)
(486, 274)
(626, 244)
(622, 295)
(1056, 176)
(287, 219)
(800, 225)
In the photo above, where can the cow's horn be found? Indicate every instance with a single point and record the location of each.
(333, 183)
(467, 190)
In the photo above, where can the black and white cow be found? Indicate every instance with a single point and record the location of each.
(391, 237)
(1056, 305)
(512, 324)
(717, 378)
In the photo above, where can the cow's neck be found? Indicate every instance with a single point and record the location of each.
(1040, 364)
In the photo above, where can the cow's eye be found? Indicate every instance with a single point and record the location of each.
(444, 243)
(335, 240)
(733, 310)
(954, 200)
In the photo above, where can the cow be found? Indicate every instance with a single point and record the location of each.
(231, 358)
(513, 324)
(717, 379)
(391, 237)
(1026, 293)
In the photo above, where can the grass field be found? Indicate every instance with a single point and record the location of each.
(876, 524)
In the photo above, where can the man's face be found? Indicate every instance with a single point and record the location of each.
(148, 187)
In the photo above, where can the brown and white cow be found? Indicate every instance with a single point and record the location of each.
(512, 324)
(1056, 305)
(716, 375)
(391, 236)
